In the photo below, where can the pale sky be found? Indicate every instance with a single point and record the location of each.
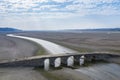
(59, 14)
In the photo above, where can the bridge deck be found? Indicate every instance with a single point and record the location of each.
(58, 55)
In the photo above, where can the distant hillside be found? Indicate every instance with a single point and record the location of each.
(101, 29)
(9, 30)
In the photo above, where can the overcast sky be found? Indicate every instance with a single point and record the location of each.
(59, 14)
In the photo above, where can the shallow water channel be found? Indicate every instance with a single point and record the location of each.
(52, 48)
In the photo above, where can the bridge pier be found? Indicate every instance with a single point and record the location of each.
(52, 62)
(77, 59)
(55, 61)
(64, 60)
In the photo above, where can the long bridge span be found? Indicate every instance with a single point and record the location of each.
(58, 60)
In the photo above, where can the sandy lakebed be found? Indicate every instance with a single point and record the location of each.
(95, 72)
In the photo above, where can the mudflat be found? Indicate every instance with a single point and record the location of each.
(14, 48)
(65, 39)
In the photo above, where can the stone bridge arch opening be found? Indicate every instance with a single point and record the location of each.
(46, 64)
(82, 60)
(70, 61)
(57, 62)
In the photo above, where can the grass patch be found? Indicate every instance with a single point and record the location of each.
(88, 63)
(112, 50)
(79, 49)
(40, 51)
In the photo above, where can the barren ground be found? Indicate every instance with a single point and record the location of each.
(82, 42)
(13, 48)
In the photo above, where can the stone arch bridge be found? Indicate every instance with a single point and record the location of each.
(57, 60)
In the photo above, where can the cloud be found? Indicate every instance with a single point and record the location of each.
(59, 14)
(60, 1)
(96, 1)
(98, 7)
(44, 7)
(61, 7)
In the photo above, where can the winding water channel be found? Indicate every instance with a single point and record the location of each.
(110, 71)
(52, 48)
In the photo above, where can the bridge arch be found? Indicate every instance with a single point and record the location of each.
(70, 61)
(46, 64)
(57, 62)
(82, 60)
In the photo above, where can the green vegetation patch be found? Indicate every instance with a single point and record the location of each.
(40, 51)
(79, 49)
(113, 50)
